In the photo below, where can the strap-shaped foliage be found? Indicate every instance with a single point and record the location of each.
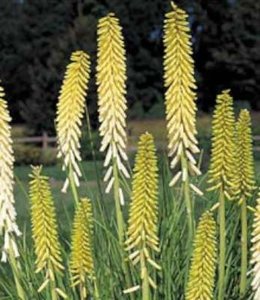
(81, 262)
(8, 226)
(255, 250)
(70, 111)
(44, 228)
(223, 166)
(143, 215)
(180, 92)
(245, 156)
(202, 271)
(111, 80)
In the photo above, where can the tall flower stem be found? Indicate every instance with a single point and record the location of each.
(187, 197)
(243, 248)
(96, 291)
(222, 245)
(53, 291)
(73, 186)
(119, 214)
(93, 152)
(145, 281)
(245, 164)
(120, 224)
(142, 242)
(81, 292)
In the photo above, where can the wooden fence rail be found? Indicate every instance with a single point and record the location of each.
(46, 141)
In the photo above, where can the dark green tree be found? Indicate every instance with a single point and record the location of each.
(228, 49)
(37, 38)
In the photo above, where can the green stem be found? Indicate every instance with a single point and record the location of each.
(53, 290)
(96, 292)
(145, 280)
(119, 214)
(73, 186)
(120, 224)
(93, 153)
(16, 273)
(82, 291)
(222, 245)
(187, 198)
(243, 279)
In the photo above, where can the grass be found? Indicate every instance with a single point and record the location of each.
(64, 202)
(173, 256)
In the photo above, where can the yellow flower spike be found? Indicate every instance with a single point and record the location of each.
(223, 166)
(223, 171)
(81, 262)
(70, 111)
(255, 251)
(8, 226)
(180, 94)
(202, 271)
(142, 239)
(245, 156)
(111, 81)
(44, 228)
(246, 185)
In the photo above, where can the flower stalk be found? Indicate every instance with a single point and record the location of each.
(180, 101)
(142, 239)
(81, 262)
(70, 112)
(255, 251)
(45, 233)
(8, 226)
(246, 186)
(202, 271)
(223, 175)
(111, 81)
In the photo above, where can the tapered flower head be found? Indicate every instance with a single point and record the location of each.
(202, 271)
(245, 156)
(180, 93)
(81, 262)
(70, 111)
(8, 226)
(111, 81)
(142, 239)
(255, 250)
(223, 165)
(44, 227)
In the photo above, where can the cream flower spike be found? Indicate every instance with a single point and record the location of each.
(70, 110)
(255, 250)
(111, 81)
(180, 94)
(8, 226)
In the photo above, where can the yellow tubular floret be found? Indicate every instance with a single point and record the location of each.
(111, 81)
(180, 93)
(202, 271)
(81, 262)
(142, 239)
(70, 111)
(223, 165)
(44, 228)
(245, 156)
(8, 226)
(255, 250)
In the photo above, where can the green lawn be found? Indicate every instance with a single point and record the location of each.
(63, 202)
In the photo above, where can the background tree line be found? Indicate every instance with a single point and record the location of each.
(37, 38)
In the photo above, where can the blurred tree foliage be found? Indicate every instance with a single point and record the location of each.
(37, 38)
